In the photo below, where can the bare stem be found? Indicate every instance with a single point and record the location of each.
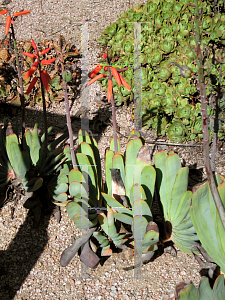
(22, 99)
(113, 118)
(202, 90)
(68, 119)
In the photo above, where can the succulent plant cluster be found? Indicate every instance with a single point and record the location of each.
(170, 102)
(37, 171)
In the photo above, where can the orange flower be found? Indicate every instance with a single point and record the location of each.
(7, 24)
(95, 71)
(124, 83)
(96, 78)
(3, 12)
(20, 13)
(44, 76)
(116, 75)
(30, 72)
(32, 84)
(10, 20)
(47, 61)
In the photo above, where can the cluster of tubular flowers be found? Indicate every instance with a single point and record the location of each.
(116, 74)
(10, 20)
(44, 76)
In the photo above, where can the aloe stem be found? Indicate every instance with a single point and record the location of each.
(68, 119)
(202, 90)
(113, 118)
(45, 117)
(22, 98)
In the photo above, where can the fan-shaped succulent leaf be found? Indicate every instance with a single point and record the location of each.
(112, 145)
(108, 166)
(83, 222)
(118, 163)
(204, 291)
(60, 197)
(73, 208)
(57, 141)
(37, 185)
(140, 207)
(172, 182)
(133, 147)
(207, 223)
(75, 175)
(116, 204)
(137, 192)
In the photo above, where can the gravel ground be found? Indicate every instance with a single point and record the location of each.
(29, 258)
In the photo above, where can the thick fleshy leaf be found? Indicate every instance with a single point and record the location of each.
(73, 208)
(118, 163)
(173, 165)
(37, 185)
(116, 205)
(108, 166)
(112, 145)
(61, 188)
(75, 175)
(179, 188)
(70, 252)
(160, 166)
(83, 222)
(35, 145)
(61, 197)
(203, 216)
(137, 192)
(140, 207)
(133, 147)
(148, 178)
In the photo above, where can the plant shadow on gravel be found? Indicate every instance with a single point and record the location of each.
(25, 249)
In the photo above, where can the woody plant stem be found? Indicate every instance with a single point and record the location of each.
(68, 120)
(202, 90)
(22, 98)
(113, 117)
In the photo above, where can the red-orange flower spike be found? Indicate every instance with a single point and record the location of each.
(35, 64)
(105, 55)
(34, 45)
(20, 13)
(109, 92)
(29, 54)
(96, 78)
(7, 24)
(116, 75)
(3, 12)
(30, 72)
(95, 71)
(45, 80)
(32, 84)
(47, 61)
(124, 83)
(47, 75)
(45, 51)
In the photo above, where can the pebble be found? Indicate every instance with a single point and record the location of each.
(67, 287)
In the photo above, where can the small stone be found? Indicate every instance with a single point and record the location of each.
(182, 273)
(113, 288)
(67, 287)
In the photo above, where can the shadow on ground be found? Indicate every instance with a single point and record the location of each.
(24, 250)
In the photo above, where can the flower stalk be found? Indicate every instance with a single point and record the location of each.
(68, 119)
(119, 79)
(44, 78)
(203, 97)
(10, 21)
